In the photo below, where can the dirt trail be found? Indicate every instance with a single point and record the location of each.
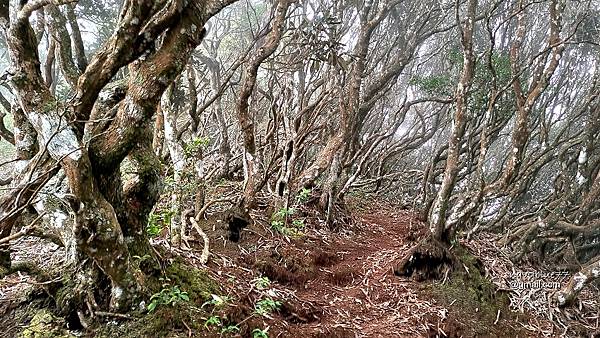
(335, 284)
(330, 283)
(360, 294)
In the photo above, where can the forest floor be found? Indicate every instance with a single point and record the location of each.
(341, 283)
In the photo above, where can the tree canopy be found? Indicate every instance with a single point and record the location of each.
(480, 115)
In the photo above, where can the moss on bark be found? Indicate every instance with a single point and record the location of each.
(36, 315)
(45, 325)
(170, 321)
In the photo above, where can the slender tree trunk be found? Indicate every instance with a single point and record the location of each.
(170, 108)
(438, 213)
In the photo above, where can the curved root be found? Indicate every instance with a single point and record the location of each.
(569, 293)
(205, 250)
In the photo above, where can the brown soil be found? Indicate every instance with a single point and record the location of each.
(330, 284)
(342, 284)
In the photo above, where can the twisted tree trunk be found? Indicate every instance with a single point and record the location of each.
(438, 211)
(252, 172)
(91, 135)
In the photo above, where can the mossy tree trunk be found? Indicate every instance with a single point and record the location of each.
(90, 135)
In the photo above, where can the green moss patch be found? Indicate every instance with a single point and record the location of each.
(170, 320)
(174, 321)
(37, 317)
(476, 307)
(195, 282)
(44, 324)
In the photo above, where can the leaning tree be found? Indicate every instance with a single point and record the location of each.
(105, 118)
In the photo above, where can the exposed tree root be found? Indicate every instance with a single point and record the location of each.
(569, 293)
(23, 232)
(205, 250)
(29, 268)
(430, 259)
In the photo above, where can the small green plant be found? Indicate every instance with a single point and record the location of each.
(278, 221)
(277, 224)
(213, 321)
(282, 213)
(169, 297)
(304, 195)
(291, 232)
(286, 231)
(259, 333)
(262, 283)
(157, 221)
(298, 223)
(194, 145)
(230, 329)
(153, 228)
(217, 301)
(266, 306)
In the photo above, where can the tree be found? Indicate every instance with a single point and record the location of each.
(458, 126)
(91, 133)
(482, 115)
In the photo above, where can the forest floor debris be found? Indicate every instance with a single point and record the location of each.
(323, 283)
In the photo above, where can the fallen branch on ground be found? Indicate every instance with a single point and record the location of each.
(586, 275)
(205, 252)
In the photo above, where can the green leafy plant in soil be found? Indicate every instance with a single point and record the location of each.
(303, 195)
(280, 223)
(260, 333)
(266, 306)
(170, 297)
(213, 321)
(262, 283)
